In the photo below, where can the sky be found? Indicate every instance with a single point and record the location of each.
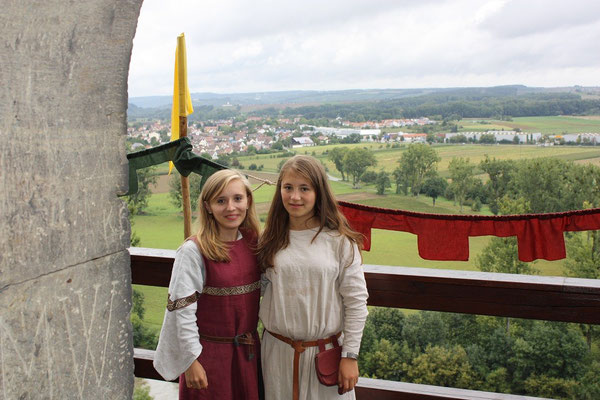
(241, 46)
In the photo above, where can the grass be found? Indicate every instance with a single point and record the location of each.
(557, 124)
(387, 158)
(417, 204)
(551, 125)
(155, 301)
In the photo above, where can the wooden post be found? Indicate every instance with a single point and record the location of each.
(185, 188)
(182, 106)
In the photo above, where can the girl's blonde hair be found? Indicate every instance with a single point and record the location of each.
(208, 240)
(276, 233)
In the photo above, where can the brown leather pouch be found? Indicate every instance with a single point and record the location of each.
(327, 362)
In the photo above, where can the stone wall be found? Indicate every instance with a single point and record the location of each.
(65, 286)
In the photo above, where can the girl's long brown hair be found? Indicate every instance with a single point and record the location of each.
(276, 233)
(209, 243)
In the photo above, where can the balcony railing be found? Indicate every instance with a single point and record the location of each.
(503, 295)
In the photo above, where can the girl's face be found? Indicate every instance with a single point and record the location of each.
(229, 209)
(298, 197)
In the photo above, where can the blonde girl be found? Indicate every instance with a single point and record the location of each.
(208, 338)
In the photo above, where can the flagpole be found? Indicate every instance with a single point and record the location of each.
(182, 106)
(183, 95)
(185, 188)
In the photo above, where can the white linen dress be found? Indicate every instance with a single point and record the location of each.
(316, 290)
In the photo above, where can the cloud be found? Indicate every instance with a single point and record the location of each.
(522, 18)
(241, 46)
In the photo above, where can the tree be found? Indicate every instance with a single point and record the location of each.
(458, 139)
(417, 163)
(501, 255)
(337, 156)
(400, 181)
(175, 190)
(369, 177)
(356, 162)
(281, 164)
(550, 387)
(383, 352)
(487, 139)
(141, 390)
(223, 159)
(545, 183)
(384, 361)
(583, 261)
(138, 202)
(435, 187)
(588, 386)
(549, 349)
(583, 249)
(382, 181)
(143, 337)
(440, 366)
(352, 138)
(424, 329)
(388, 322)
(461, 173)
(500, 173)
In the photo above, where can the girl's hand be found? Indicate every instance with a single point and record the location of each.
(195, 376)
(348, 375)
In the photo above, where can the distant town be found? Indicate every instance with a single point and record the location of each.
(215, 138)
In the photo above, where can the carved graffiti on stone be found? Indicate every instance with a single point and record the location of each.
(28, 351)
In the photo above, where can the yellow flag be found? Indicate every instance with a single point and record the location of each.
(182, 101)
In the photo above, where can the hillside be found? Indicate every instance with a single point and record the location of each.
(353, 95)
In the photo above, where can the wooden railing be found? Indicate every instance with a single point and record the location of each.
(506, 295)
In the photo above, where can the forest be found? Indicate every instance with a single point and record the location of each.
(495, 102)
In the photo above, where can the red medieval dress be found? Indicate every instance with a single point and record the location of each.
(227, 317)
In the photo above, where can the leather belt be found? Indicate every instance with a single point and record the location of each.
(244, 338)
(299, 347)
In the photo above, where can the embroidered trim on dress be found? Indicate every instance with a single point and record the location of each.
(231, 291)
(176, 304)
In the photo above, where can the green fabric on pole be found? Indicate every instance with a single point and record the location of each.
(180, 152)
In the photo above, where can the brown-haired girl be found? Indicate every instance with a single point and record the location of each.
(316, 287)
(209, 336)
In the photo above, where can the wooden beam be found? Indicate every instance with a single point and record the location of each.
(151, 267)
(504, 295)
(484, 293)
(389, 390)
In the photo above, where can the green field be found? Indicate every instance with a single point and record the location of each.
(546, 125)
(387, 158)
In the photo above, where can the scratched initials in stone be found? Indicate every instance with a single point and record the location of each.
(29, 355)
(88, 321)
(24, 361)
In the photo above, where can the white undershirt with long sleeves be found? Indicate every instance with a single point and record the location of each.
(179, 340)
